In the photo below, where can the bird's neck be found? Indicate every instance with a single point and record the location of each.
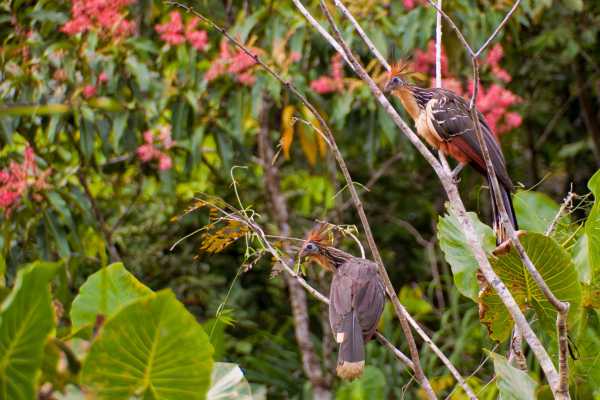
(413, 99)
(331, 258)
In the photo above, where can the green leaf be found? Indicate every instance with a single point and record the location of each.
(554, 265)
(513, 383)
(154, 349)
(592, 229)
(536, 211)
(575, 5)
(105, 293)
(26, 321)
(53, 226)
(371, 385)
(458, 253)
(228, 382)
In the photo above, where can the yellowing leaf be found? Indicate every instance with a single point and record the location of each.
(287, 130)
(309, 144)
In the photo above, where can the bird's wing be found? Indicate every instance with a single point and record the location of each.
(448, 114)
(340, 300)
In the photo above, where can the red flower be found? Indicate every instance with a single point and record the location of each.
(334, 83)
(106, 16)
(238, 64)
(295, 56)
(102, 78)
(17, 178)
(172, 31)
(157, 150)
(424, 62)
(89, 91)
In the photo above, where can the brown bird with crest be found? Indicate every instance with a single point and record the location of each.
(443, 119)
(356, 299)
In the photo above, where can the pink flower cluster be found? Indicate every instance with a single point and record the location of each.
(493, 60)
(106, 16)
(174, 33)
(424, 61)
(334, 83)
(237, 63)
(493, 102)
(410, 4)
(155, 148)
(17, 178)
(90, 91)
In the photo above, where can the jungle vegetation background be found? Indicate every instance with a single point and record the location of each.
(116, 115)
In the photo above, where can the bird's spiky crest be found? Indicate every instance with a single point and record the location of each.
(320, 234)
(399, 68)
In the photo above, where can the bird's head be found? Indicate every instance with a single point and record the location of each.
(315, 246)
(397, 78)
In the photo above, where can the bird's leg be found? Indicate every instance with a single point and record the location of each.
(456, 171)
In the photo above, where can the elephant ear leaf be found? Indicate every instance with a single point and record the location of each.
(555, 266)
(152, 348)
(26, 321)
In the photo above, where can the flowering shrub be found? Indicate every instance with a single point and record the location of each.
(237, 63)
(156, 147)
(17, 178)
(334, 83)
(106, 16)
(174, 33)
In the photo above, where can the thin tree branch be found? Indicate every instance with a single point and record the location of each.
(498, 29)
(567, 203)
(563, 353)
(454, 27)
(311, 20)
(278, 208)
(400, 312)
(362, 34)
(438, 45)
(253, 226)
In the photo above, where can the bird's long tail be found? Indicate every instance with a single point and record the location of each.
(501, 235)
(351, 355)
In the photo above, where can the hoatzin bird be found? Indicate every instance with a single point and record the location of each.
(356, 300)
(443, 119)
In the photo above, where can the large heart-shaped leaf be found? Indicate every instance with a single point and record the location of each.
(458, 253)
(153, 348)
(105, 293)
(228, 382)
(557, 269)
(513, 383)
(592, 230)
(26, 320)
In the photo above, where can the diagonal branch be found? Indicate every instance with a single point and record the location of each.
(362, 34)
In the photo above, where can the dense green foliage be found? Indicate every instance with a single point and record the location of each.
(115, 115)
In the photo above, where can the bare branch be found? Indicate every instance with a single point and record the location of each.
(498, 29)
(453, 25)
(311, 20)
(563, 354)
(362, 34)
(567, 203)
(400, 311)
(438, 45)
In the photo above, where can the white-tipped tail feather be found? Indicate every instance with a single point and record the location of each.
(350, 370)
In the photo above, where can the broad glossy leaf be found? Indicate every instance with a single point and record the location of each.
(557, 269)
(536, 211)
(26, 320)
(458, 253)
(587, 367)
(154, 349)
(105, 293)
(228, 382)
(513, 383)
(592, 229)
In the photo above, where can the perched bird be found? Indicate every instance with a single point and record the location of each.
(443, 119)
(356, 300)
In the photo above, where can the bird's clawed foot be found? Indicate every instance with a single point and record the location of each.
(456, 172)
(506, 245)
